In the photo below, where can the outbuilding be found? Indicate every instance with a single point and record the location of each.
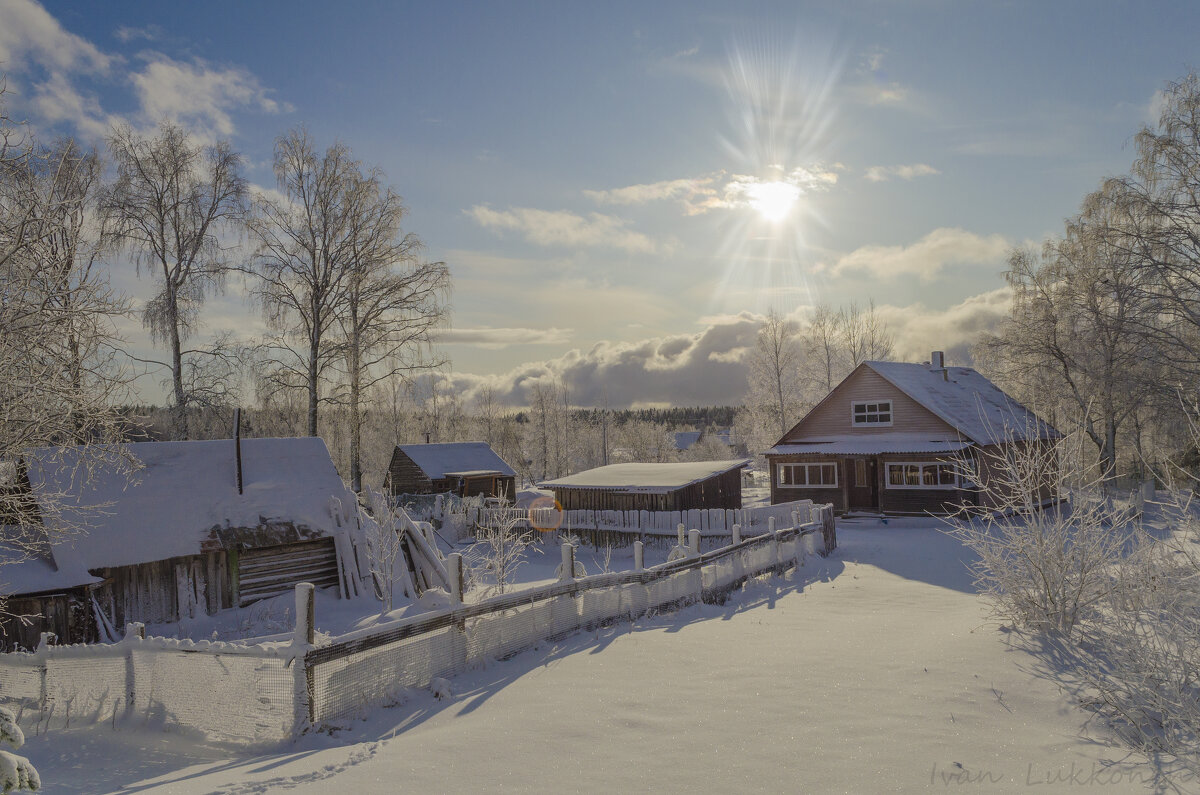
(466, 469)
(652, 486)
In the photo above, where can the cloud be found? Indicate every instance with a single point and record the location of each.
(31, 35)
(919, 330)
(719, 190)
(927, 257)
(126, 34)
(884, 173)
(494, 338)
(684, 189)
(876, 87)
(198, 94)
(56, 100)
(563, 228)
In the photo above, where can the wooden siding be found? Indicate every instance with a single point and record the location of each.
(405, 477)
(267, 572)
(68, 615)
(150, 592)
(719, 491)
(831, 417)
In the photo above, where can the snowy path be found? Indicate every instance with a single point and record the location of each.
(868, 672)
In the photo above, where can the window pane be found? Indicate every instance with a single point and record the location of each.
(885, 417)
(912, 475)
(895, 475)
(799, 471)
(946, 474)
(828, 475)
(929, 476)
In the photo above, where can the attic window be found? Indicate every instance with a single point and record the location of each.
(871, 413)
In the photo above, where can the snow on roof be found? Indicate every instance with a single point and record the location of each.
(873, 445)
(646, 477)
(439, 460)
(185, 491)
(23, 573)
(685, 439)
(975, 406)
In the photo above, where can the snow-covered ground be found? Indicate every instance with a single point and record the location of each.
(870, 671)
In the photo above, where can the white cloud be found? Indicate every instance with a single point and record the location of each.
(927, 257)
(57, 99)
(563, 228)
(198, 94)
(126, 34)
(719, 190)
(30, 35)
(494, 338)
(684, 189)
(884, 173)
(919, 330)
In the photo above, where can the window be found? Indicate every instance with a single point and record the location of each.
(871, 412)
(810, 476)
(924, 475)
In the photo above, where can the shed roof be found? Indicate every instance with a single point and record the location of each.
(646, 478)
(444, 458)
(183, 493)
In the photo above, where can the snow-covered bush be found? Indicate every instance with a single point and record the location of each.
(1045, 564)
(382, 528)
(16, 772)
(499, 550)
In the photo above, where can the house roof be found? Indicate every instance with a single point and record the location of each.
(439, 460)
(685, 439)
(880, 443)
(972, 404)
(183, 497)
(646, 478)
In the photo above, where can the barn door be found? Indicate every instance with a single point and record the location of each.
(862, 483)
(273, 570)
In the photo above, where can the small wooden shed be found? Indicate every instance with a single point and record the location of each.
(204, 526)
(467, 469)
(652, 487)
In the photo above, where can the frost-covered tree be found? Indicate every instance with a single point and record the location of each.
(775, 395)
(17, 773)
(170, 204)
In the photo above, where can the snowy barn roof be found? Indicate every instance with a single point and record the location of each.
(184, 499)
(975, 406)
(447, 458)
(646, 478)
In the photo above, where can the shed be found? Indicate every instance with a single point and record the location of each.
(464, 468)
(652, 487)
(886, 439)
(181, 538)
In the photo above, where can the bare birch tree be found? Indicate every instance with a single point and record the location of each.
(862, 335)
(775, 393)
(170, 203)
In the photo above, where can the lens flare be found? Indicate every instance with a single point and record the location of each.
(773, 200)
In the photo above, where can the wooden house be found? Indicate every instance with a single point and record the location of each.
(466, 469)
(887, 437)
(652, 487)
(202, 526)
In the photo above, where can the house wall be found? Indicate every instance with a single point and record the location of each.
(68, 615)
(405, 477)
(919, 501)
(150, 592)
(831, 417)
(990, 473)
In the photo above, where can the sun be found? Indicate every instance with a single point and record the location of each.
(773, 200)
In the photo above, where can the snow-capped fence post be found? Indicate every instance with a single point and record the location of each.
(737, 534)
(694, 541)
(135, 631)
(568, 562)
(454, 567)
(639, 556)
(302, 642)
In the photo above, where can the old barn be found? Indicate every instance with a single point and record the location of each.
(467, 469)
(652, 487)
(887, 439)
(203, 526)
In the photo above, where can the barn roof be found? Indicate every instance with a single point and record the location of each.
(441, 459)
(646, 478)
(183, 497)
(976, 407)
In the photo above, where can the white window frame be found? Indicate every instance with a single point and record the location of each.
(891, 412)
(887, 475)
(808, 465)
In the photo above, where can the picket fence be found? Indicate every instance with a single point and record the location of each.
(272, 691)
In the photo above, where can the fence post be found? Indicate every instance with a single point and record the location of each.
(679, 530)
(302, 640)
(737, 534)
(454, 567)
(639, 556)
(568, 562)
(694, 541)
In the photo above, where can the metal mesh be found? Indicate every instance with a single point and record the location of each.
(20, 678)
(86, 688)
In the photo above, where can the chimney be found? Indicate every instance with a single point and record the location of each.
(937, 363)
(237, 445)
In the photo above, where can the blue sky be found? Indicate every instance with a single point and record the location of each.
(587, 170)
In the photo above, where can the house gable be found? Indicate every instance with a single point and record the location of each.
(831, 418)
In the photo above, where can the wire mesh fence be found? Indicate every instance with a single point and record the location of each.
(347, 677)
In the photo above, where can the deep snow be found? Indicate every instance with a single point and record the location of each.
(871, 671)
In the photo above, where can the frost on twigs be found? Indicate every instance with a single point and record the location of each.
(16, 772)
